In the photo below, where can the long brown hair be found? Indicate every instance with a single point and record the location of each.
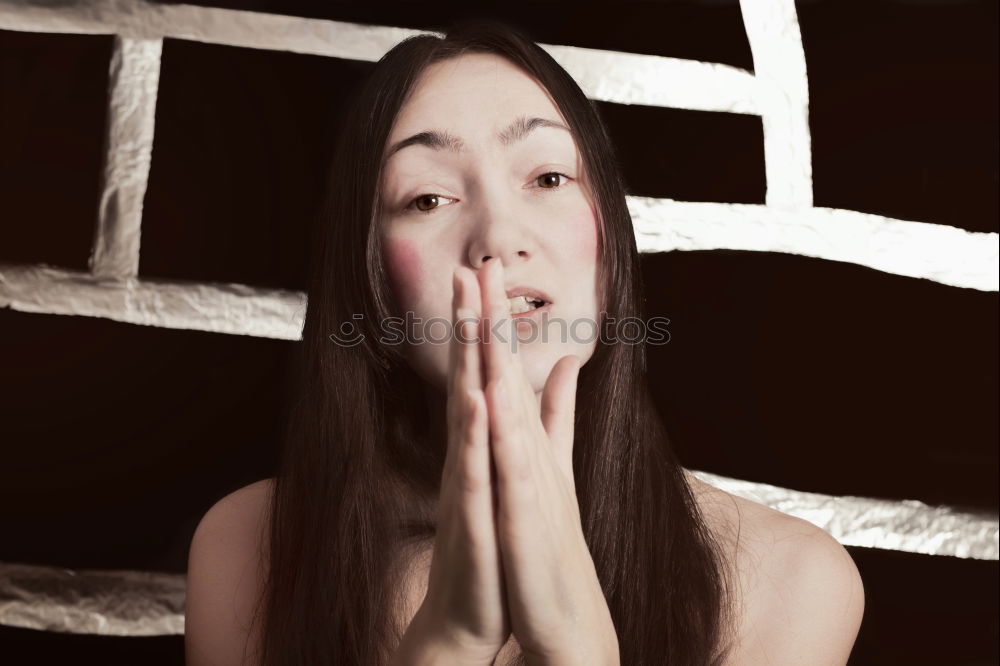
(357, 438)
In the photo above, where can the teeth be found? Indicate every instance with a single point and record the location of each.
(519, 304)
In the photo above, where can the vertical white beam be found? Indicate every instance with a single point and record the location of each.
(779, 63)
(133, 81)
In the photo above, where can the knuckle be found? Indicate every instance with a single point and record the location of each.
(472, 481)
(469, 402)
(519, 482)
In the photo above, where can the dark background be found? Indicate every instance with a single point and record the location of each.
(808, 374)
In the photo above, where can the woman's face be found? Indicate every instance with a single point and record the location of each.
(481, 188)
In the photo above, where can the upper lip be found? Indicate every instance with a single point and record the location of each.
(531, 292)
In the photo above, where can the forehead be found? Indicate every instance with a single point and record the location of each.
(472, 95)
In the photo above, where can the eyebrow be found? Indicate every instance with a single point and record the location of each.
(442, 140)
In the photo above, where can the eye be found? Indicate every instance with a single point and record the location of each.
(425, 203)
(552, 178)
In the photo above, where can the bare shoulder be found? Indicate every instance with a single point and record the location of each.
(800, 594)
(226, 568)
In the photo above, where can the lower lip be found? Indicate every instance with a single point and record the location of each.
(537, 312)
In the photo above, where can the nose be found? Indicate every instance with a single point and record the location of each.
(498, 233)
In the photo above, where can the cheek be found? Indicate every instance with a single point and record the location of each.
(583, 236)
(584, 241)
(405, 268)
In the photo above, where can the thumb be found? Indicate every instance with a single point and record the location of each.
(558, 409)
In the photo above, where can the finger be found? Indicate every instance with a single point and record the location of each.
(470, 314)
(506, 362)
(558, 409)
(506, 435)
(469, 440)
(453, 349)
(504, 366)
(513, 406)
(496, 321)
(498, 357)
(453, 413)
(472, 479)
(464, 375)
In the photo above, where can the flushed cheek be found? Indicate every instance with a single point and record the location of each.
(405, 268)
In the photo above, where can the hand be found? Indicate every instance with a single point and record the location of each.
(557, 608)
(463, 616)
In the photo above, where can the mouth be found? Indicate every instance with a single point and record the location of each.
(525, 301)
(534, 313)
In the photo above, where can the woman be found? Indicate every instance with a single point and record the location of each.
(485, 498)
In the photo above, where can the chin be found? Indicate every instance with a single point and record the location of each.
(539, 358)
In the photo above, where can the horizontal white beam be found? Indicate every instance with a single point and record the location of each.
(915, 249)
(108, 603)
(906, 525)
(633, 78)
(214, 307)
(610, 76)
(136, 19)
